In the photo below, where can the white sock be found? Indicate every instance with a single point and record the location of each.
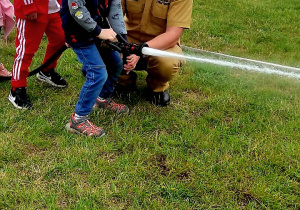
(102, 99)
(78, 117)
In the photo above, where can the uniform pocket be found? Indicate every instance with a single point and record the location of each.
(134, 6)
(134, 11)
(160, 10)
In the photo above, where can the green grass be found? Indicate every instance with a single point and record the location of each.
(229, 139)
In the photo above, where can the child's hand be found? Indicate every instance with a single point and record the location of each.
(107, 34)
(31, 16)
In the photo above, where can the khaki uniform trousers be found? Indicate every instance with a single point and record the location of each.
(160, 69)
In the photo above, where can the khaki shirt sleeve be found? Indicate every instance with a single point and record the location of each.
(180, 13)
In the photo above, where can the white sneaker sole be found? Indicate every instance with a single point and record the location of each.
(11, 99)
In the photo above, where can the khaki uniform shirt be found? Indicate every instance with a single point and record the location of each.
(146, 19)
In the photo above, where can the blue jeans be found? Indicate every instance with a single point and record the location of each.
(101, 68)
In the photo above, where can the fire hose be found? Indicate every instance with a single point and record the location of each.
(122, 46)
(46, 64)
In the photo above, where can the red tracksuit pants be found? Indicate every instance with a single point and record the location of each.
(29, 36)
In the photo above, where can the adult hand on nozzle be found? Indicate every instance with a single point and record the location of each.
(107, 34)
(136, 48)
(131, 63)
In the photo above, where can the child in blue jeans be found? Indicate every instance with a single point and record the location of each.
(85, 23)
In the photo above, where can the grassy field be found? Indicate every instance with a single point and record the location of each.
(229, 139)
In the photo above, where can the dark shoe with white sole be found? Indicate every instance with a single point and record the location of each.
(52, 77)
(158, 98)
(19, 98)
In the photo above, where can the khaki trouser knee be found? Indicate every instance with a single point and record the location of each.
(162, 69)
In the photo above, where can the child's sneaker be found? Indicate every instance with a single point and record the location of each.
(52, 77)
(19, 98)
(109, 104)
(84, 126)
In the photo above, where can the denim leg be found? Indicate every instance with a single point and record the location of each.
(95, 74)
(114, 66)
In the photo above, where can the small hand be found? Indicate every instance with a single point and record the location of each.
(31, 16)
(107, 34)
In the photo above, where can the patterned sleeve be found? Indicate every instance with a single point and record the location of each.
(82, 16)
(115, 17)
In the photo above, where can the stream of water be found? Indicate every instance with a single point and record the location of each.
(228, 61)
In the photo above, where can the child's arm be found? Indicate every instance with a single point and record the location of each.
(115, 17)
(29, 8)
(83, 17)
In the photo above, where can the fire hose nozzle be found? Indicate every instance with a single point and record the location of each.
(137, 48)
(124, 47)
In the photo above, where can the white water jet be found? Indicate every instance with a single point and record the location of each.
(229, 61)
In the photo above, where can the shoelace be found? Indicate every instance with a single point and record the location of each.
(114, 105)
(90, 128)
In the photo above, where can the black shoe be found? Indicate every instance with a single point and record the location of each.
(19, 98)
(52, 78)
(158, 98)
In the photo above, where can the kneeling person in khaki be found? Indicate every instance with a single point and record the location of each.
(159, 24)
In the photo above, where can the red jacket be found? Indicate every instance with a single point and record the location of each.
(25, 7)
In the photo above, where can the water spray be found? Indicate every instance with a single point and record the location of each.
(205, 57)
(228, 61)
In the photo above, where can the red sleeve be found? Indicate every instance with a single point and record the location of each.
(29, 8)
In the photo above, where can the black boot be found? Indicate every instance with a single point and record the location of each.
(158, 98)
